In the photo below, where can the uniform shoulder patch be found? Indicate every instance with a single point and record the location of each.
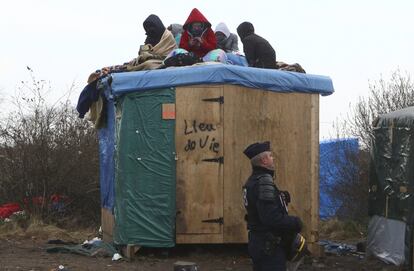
(267, 189)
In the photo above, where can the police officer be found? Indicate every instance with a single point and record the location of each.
(267, 219)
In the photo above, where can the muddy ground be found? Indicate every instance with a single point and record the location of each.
(30, 254)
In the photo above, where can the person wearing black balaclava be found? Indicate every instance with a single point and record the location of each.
(158, 44)
(154, 28)
(259, 53)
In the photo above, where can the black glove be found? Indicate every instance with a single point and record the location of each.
(285, 196)
(297, 224)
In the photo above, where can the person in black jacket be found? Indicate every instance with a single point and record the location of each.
(259, 53)
(267, 219)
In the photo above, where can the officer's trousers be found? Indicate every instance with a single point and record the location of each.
(265, 259)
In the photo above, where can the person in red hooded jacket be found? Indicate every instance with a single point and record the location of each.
(198, 37)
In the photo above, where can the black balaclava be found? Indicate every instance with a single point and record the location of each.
(154, 28)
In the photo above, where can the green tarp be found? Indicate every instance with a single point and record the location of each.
(392, 173)
(392, 178)
(145, 170)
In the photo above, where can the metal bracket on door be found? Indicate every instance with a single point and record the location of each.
(219, 220)
(215, 160)
(218, 100)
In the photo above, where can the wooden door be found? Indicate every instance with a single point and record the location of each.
(199, 146)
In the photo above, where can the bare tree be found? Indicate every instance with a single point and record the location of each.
(46, 150)
(351, 185)
(384, 97)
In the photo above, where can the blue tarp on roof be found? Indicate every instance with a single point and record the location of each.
(334, 161)
(273, 80)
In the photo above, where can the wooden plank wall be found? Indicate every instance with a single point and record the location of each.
(199, 192)
(290, 122)
(108, 222)
(313, 226)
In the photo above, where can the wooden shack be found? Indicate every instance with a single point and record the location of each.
(207, 115)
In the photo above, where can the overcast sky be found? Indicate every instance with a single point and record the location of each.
(353, 42)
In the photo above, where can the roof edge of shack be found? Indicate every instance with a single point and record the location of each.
(266, 79)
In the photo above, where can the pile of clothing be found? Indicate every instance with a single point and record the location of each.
(6, 210)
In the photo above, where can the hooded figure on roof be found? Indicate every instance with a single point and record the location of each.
(225, 40)
(154, 28)
(198, 37)
(258, 51)
(176, 30)
(158, 44)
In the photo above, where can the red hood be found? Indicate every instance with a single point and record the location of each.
(196, 16)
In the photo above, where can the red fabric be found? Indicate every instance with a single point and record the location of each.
(6, 210)
(38, 201)
(56, 198)
(209, 39)
(195, 16)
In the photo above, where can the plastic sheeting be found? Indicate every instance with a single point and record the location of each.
(268, 79)
(145, 170)
(339, 248)
(236, 59)
(392, 171)
(386, 240)
(334, 158)
(106, 138)
(392, 179)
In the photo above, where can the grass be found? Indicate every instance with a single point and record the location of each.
(338, 230)
(35, 228)
(24, 227)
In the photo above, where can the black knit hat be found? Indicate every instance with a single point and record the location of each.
(256, 148)
(245, 29)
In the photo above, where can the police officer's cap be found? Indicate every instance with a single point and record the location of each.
(256, 148)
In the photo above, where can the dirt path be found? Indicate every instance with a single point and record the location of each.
(31, 255)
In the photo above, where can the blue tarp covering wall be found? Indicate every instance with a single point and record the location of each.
(106, 138)
(334, 159)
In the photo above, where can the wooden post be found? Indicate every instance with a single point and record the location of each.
(316, 250)
(108, 222)
(129, 251)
